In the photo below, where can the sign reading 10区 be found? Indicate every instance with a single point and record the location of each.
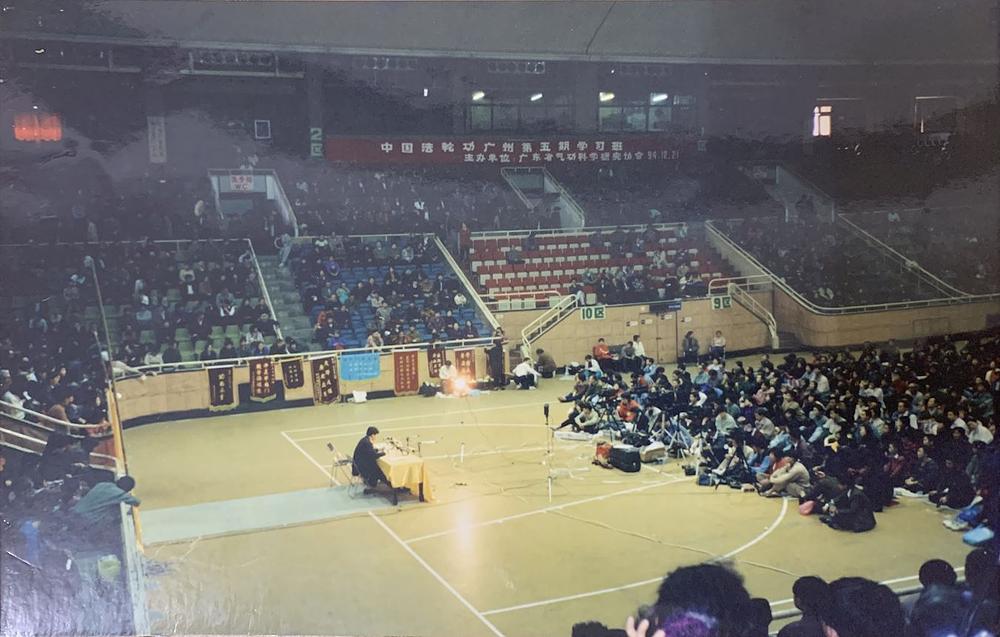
(592, 313)
(722, 302)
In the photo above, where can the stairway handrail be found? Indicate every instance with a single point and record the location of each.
(902, 258)
(533, 330)
(263, 290)
(464, 280)
(746, 299)
(847, 309)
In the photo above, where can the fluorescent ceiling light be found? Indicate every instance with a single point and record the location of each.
(478, 95)
(605, 96)
(536, 97)
(656, 98)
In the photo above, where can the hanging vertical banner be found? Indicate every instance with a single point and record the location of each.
(465, 361)
(156, 134)
(262, 380)
(405, 371)
(221, 396)
(326, 383)
(292, 374)
(435, 359)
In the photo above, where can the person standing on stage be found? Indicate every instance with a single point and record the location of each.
(366, 461)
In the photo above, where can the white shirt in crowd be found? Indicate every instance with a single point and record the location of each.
(979, 433)
(822, 384)
(524, 368)
(640, 349)
(593, 366)
(718, 341)
(447, 372)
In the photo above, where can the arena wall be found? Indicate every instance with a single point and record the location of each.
(184, 394)
(816, 330)
(661, 333)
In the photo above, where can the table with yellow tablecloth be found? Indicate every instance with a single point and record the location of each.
(407, 471)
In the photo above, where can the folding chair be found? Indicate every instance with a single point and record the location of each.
(342, 466)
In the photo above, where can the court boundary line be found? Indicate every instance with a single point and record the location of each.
(312, 460)
(437, 576)
(555, 507)
(397, 418)
(567, 598)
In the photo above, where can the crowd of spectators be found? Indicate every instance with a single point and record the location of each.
(711, 600)
(959, 246)
(51, 358)
(664, 192)
(844, 434)
(330, 199)
(62, 542)
(372, 293)
(825, 263)
(200, 300)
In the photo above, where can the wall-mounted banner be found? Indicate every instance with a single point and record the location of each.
(435, 359)
(510, 151)
(465, 362)
(221, 394)
(360, 366)
(406, 372)
(262, 380)
(326, 385)
(292, 374)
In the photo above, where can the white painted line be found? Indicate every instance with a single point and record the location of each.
(603, 591)
(764, 534)
(421, 427)
(556, 507)
(311, 459)
(485, 453)
(437, 576)
(444, 413)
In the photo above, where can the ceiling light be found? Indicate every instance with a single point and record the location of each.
(427, 92)
(606, 96)
(536, 97)
(478, 95)
(39, 50)
(656, 98)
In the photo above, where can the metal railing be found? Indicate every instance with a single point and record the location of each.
(542, 299)
(909, 264)
(284, 205)
(506, 173)
(746, 299)
(263, 290)
(469, 288)
(549, 319)
(780, 283)
(587, 231)
(239, 361)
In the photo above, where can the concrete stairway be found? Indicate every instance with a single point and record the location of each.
(287, 305)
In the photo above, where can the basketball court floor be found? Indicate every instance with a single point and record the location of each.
(244, 533)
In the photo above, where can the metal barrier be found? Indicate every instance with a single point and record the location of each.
(591, 230)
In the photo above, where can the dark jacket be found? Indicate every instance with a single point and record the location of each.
(366, 461)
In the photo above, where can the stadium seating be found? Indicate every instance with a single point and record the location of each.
(409, 277)
(561, 263)
(825, 263)
(960, 246)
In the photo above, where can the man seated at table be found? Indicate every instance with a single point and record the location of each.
(525, 375)
(365, 461)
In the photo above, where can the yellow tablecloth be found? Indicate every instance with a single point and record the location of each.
(407, 471)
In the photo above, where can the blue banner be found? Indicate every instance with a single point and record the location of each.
(359, 366)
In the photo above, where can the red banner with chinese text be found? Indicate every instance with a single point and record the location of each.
(465, 362)
(262, 381)
(435, 359)
(405, 371)
(510, 151)
(326, 383)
